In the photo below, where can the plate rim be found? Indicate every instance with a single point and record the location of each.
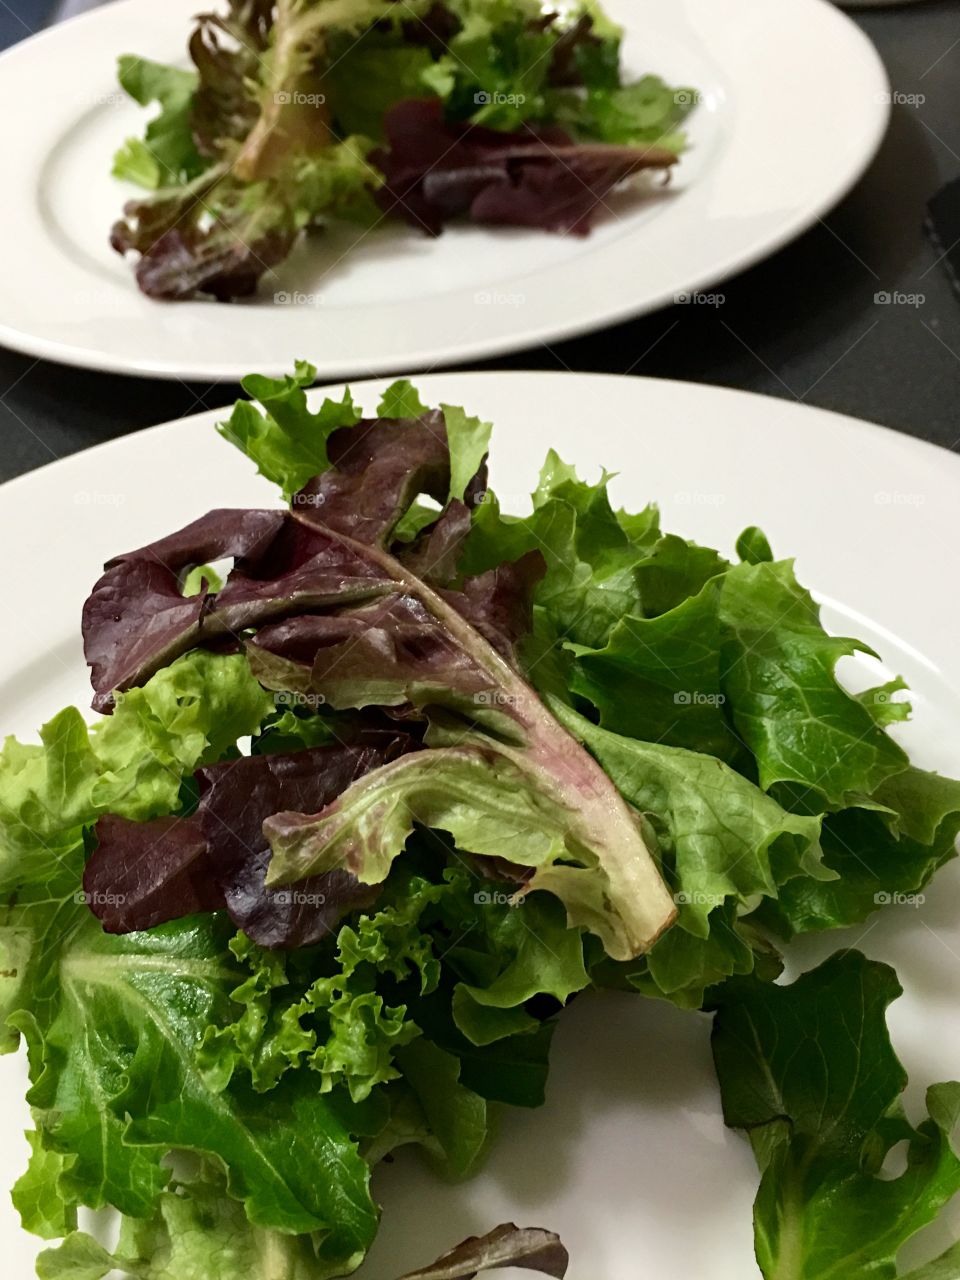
(932, 451)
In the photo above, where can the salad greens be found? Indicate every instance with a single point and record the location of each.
(384, 779)
(299, 112)
(808, 1072)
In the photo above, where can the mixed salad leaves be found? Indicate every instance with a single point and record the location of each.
(384, 778)
(299, 112)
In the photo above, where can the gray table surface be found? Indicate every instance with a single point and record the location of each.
(803, 325)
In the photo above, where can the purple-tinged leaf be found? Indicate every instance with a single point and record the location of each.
(377, 469)
(393, 652)
(387, 653)
(530, 1248)
(143, 874)
(499, 602)
(433, 555)
(436, 171)
(224, 108)
(208, 236)
(137, 620)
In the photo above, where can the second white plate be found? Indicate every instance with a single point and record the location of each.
(629, 1158)
(794, 105)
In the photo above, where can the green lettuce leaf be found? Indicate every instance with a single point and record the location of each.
(167, 154)
(119, 1100)
(130, 763)
(196, 1232)
(808, 1072)
(288, 441)
(724, 844)
(367, 77)
(591, 554)
(647, 112)
(802, 728)
(881, 856)
(659, 679)
(535, 954)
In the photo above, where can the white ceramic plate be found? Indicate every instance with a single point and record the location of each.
(629, 1158)
(794, 106)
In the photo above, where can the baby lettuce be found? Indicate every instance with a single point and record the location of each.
(340, 618)
(808, 1072)
(299, 112)
(198, 1234)
(378, 793)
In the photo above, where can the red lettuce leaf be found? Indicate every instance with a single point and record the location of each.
(393, 651)
(529, 1248)
(224, 109)
(377, 469)
(137, 620)
(435, 171)
(214, 235)
(142, 874)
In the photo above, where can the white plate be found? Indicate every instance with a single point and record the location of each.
(629, 1158)
(794, 107)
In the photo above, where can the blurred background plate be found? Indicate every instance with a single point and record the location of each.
(794, 104)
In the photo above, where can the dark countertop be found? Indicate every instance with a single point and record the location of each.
(803, 325)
